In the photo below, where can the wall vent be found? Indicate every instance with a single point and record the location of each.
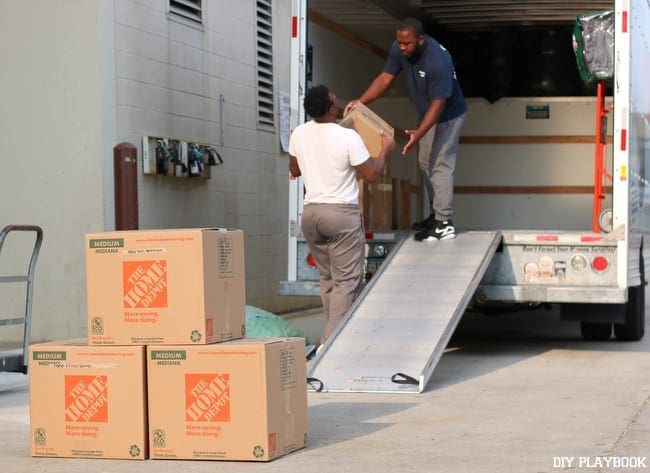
(190, 9)
(265, 102)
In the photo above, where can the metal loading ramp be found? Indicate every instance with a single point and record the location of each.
(394, 335)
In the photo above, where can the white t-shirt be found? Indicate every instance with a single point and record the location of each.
(326, 154)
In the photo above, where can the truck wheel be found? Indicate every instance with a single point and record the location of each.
(634, 327)
(595, 330)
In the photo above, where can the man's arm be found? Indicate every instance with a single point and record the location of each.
(430, 118)
(294, 169)
(372, 168)
(376, 89)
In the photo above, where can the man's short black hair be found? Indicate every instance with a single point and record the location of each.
(412, 24)
(317, 101)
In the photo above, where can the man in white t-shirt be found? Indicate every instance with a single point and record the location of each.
(330, 158)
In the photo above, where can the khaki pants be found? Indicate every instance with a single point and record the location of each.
(336, 240)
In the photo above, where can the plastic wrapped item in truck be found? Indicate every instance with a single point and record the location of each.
(593, 44)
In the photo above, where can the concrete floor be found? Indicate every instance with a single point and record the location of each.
(513, 393)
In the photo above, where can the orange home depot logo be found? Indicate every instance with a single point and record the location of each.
(144, 283)
(207, 397)
(86, 398)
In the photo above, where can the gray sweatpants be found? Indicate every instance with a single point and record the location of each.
(437, 159)
(336, 240)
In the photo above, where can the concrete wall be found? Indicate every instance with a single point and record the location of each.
(51, 153)
(103, 72)
(171, 76)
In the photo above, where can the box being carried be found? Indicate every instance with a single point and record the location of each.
(368, 124)
(165, 286)
(238, 400)
(87, 401)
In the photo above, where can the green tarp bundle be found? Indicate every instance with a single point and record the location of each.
(263, 324)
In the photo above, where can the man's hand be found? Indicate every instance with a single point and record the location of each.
(387, 142)
(413, 139)
(373, 168)
(349, 106)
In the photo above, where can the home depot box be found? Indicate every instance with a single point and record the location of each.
(87, 401)
(165, 286)
(238, 400)
(369, 125)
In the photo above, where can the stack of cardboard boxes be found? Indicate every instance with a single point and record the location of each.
(165, 371)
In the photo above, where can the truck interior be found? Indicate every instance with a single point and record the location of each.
(501, 48)
(528, 173)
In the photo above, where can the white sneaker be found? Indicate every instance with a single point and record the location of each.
(442, 231)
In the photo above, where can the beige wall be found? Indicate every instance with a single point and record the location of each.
(51, 151)
(348, 68)
(529, 164)
(559, 165)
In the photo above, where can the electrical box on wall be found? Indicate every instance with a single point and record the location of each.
(148, 164)
(177, 158)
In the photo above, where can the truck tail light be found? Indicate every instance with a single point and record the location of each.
(600, 264)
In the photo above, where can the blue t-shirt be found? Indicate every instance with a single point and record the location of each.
(430, 75)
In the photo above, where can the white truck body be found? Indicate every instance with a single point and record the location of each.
(527, 178)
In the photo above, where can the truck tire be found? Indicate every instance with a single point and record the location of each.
(634, 327)
(595, 330)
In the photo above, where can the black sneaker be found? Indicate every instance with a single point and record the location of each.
(425, 225)
(442, 231)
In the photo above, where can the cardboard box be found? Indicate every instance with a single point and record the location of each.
(165, 286)
(368, 124)
(401, 204)
(87, 401)
(377, 204)
(239, 400)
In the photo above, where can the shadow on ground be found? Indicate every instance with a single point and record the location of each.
(482, 344)
(343, 421)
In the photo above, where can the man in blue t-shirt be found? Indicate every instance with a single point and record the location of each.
(441, 111)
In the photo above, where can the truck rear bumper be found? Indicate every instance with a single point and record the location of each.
(551, 294)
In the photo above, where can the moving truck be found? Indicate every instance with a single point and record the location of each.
(561, 180)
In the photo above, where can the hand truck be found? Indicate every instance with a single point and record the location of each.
(16, 360)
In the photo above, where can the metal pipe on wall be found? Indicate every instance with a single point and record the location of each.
(125, 174)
